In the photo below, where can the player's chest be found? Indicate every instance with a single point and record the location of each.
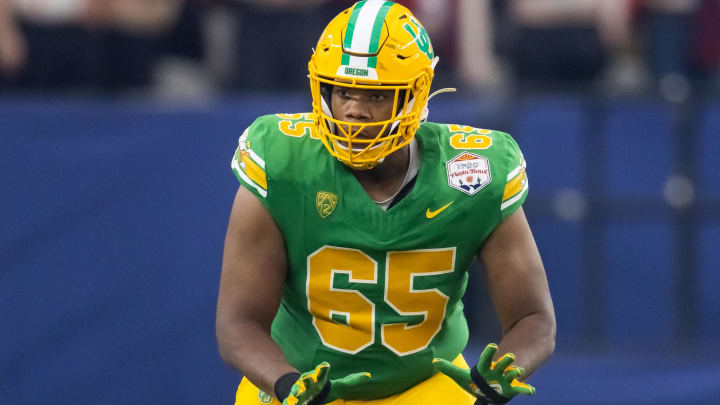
(430, 214)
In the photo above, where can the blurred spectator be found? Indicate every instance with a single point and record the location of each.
(681, 41)
(191, 56)
(13, 49)
(477, 63)
(191, 47)
(89, 44)
(668, 30)
(567, 41)
(276, 38)
(706, 41)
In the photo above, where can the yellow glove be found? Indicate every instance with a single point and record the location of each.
(315, 388)
(492, 382)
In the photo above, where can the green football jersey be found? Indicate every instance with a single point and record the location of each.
(370, 290)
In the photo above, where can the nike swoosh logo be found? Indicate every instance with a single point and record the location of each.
(433, 214)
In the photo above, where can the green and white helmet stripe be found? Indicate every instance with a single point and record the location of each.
(363, 37)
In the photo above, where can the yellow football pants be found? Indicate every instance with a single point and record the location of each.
(436, 390)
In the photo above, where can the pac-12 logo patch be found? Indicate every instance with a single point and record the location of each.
(325, 202)
(468, 172)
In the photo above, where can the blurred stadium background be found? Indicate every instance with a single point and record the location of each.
(118, 120)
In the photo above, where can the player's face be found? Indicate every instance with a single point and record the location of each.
(362, 106)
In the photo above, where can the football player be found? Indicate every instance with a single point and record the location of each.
(351, 235)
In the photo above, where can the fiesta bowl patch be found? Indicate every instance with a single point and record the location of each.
(468, 172)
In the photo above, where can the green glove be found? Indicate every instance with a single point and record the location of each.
(494, 382)
(315, 388)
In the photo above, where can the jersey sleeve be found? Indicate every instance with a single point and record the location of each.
(516, 182)
(248, 162)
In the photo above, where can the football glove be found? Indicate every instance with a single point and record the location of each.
(315, 388)
(491, 382)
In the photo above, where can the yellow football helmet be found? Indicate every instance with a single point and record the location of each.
(378, 45)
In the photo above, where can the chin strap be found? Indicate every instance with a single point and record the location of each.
(445, 90)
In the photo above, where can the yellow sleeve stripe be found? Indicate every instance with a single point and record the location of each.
(240, 169)
(256, 158)
(515, 185)
(254, 171)
(515, 198)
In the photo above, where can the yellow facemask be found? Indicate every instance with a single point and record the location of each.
(374, 45)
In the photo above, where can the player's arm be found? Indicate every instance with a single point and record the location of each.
(520, 294)
(253, 273)
(519, 291)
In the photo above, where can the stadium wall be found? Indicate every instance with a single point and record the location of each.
(114, 213)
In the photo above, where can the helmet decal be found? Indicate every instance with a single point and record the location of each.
(422, 39)
(362, 36)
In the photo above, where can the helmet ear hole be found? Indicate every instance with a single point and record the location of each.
(420, 84)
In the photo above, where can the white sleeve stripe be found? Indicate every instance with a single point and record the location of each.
(514, 199)
(516, 170)
(257, 159)
(253, 155)
(242, 174)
